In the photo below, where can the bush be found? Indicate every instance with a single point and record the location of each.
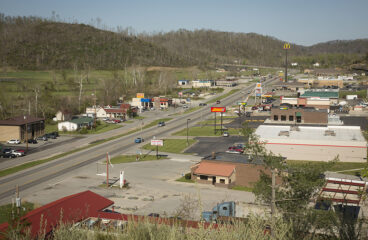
(83, 131)
(188, 176)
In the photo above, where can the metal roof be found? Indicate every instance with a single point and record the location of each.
(321, 94)
(20, 120)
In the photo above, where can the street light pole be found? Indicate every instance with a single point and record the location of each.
(187, 131)
(141, 128)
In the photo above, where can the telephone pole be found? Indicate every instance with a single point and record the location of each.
(286, 47)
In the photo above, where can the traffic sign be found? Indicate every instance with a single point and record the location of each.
(218, 109)
(157, 142)
(287, 46)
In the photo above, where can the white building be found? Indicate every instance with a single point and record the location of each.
(202, 83)
(315, 143)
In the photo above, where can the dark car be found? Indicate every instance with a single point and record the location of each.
(56, 134)
(203, 104)
(154, 215)
(33, 141)
(161, 124)
(7, 150)
(218, 102)
(8, 155)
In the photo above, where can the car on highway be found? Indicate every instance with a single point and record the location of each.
(139, 140)
(161, 124)
(13, 141)
(17, 153)
(218, 102)
(203, 104)
(8, 155)
(226, 134)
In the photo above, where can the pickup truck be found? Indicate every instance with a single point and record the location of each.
(223, 212)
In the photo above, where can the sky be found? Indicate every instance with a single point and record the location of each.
(304, 22)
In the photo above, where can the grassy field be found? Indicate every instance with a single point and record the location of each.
(5, 210)
(204, 131)
(133, 158)
(223, 96)
(171, 145)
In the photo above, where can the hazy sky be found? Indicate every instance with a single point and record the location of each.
(304, 22)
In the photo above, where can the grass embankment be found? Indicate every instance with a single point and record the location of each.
(24, 166)
(223, 96)
(171, 145)
(241, 188)
(5, 210)
(226, 119)
(133, 158)
(205, 131)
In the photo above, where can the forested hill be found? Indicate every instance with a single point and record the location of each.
(35, 43)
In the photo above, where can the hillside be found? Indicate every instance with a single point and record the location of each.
(37, 44)
(33, 43)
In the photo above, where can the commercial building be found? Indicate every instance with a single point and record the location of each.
(298, 115)
(228, 170)
(75, 124)
(15, 128)
(318, 103)
(227, 83)
(314, 143)
(202, 83)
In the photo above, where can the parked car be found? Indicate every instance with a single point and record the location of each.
(185, 106)
(117, 120)
(33, 141)
(8, 155)
(203, 104)
(139, 140)
(218, 102)
(226, 134)
(154, 215)
(13, 141)
(50, 135)
(43, 138)
(56, 134)
(161, 124)
(235, 149)
(7, 150)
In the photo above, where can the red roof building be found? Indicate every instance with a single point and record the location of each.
(73, 208)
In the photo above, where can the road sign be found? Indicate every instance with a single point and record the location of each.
(218, 109)
(259, 85)
(242, 103)
(287, 46)
(157, 142)
(140, 95)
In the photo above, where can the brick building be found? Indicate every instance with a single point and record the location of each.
(295, 115)
(228, 170)
(15, 128)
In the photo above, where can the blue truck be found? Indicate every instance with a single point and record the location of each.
(222, 212)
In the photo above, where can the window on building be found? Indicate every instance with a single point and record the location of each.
(275, 117)
(291, 118)
(203, 177)
(283, 117)
(222, 180)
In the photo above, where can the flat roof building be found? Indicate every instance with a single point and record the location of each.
(315, 143)
(15, 128)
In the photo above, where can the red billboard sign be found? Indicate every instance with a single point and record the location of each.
(218, 109)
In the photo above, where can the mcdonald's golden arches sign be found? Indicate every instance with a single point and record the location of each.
(287, 46)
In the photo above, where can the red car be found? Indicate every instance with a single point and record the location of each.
(117, 121)
(235, 149)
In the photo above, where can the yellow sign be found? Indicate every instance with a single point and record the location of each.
(258, 85)
(140, 95)
(287, 46)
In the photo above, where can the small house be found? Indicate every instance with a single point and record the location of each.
(75, 124)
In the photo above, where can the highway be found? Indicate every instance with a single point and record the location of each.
(37, 175)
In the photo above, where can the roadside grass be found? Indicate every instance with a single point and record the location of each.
(241, 188)
(5, 210)
(171, 145)
(186, 178)
(129, 121)
(133, 158)
(204, 131)
(336, 167)
(218, 121)
(139, 117)
(187, 111)
(223, 96)
(155, 123)
(100, 128)
(24, 166)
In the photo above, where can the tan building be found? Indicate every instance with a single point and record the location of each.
(228, 170)
(15, 128)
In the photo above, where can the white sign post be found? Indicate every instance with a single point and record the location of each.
(157, 142)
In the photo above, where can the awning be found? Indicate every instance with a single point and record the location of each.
(298, 114)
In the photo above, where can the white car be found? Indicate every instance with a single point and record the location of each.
(16, 153)
(13, 141)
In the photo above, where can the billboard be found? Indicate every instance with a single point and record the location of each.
(157, 142)
(218, 109)
(259, 85)
(140, 95)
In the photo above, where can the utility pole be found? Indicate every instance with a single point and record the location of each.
(25, 118)
(107, 169)
(187, 132)
(17, 199)
(286, 47)
(273, 200)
